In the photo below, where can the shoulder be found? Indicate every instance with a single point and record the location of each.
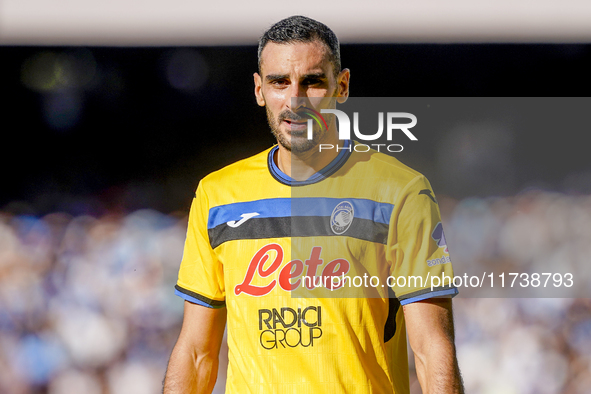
(245, 180)
(238, 172)
(385, 169)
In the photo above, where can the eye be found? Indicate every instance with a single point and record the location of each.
(312, 81)
(279, 83)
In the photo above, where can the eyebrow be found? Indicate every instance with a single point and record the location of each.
(272, 77)
(319, 75)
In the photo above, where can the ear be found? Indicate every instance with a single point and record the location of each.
(343, 85)
(258, 86)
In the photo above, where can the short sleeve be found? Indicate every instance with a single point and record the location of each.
(201, 275)
(421, 267)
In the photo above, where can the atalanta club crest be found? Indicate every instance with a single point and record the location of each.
(342, 217)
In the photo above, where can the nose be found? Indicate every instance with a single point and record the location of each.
(299, 96)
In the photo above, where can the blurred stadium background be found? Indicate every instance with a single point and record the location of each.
(113, 112)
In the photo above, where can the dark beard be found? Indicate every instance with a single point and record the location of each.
(302, 143)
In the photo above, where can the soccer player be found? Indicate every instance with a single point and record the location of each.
(266, 233)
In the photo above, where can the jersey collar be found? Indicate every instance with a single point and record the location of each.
(324, 173)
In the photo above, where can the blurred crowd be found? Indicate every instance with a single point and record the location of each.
(87, 304)
(523, 345)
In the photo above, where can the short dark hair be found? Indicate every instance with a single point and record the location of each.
(302, 29)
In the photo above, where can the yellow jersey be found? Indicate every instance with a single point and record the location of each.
(313, 273)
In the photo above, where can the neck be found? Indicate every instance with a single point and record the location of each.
(301, 166)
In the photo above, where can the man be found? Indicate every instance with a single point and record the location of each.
(262, 228)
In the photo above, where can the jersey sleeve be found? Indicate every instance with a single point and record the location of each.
(201, 275)
(420, 263)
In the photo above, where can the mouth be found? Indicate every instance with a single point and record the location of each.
(296, 125)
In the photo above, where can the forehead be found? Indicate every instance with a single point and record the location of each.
(298, 57)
